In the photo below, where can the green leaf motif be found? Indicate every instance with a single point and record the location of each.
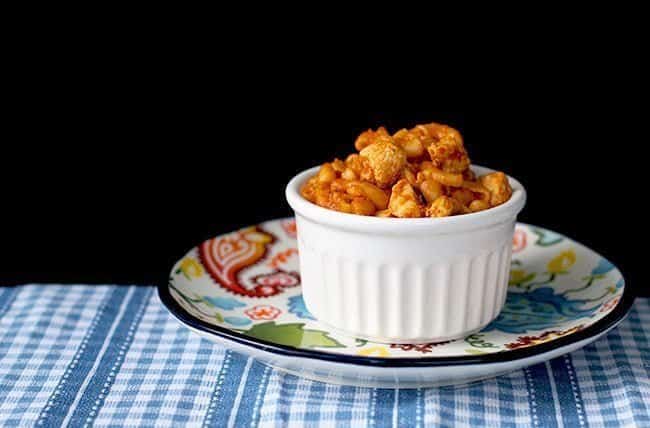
(476, 340)
(546, 238)
(518, 277)
(292, 334)
(180, 271)
(218, 317)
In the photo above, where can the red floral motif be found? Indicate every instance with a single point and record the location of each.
(424, 348)
(224, 257)
(524, 341)
(282, 257)
(518, 241)
(263, 312)
(270, 284)
(607, 306)
(289, 227)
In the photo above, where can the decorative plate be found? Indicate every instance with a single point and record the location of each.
(243, 289)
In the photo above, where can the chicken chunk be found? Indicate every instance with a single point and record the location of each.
(386, 161)
(410, 142)
(498, 186)
(431, 190)
(444, 206)
(359, 166)
(449, 155)
(404, 202)
(369, 137)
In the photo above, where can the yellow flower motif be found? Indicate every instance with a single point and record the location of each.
(516, 276)
(375, 351)
(258, 237)
(562, 262)
(191, 268)
(519, 276)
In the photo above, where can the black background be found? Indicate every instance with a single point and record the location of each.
(116, 164)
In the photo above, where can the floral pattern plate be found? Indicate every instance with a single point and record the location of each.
(243, 289)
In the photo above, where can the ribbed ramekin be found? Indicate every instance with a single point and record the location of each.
(396, 280)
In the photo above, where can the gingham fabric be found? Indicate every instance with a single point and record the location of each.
(113, 356)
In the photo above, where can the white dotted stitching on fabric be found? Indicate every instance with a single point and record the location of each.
(217, 390)
(574, 387)
(373, 406)
(531, 394)
(112, 373)
(258, 397)
(75, 361)
(418, 411)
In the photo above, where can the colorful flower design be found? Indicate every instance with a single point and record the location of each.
(190, 268)
(546, 238)
(610, 304)
(537, 310)
(282, 257)
(525, 341)
(620, 283)
(424, 348)
(374, 351)
(518, 241)
(270, 284)
(478, 341)
(519, 276)
(237, 321)
(298, 308)
(226, 303)
(263, 312)
(289, 227)
(225, 256)
(562, 262)
(602, 268)
(293, 334)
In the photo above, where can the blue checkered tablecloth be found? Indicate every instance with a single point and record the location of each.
(113, 356)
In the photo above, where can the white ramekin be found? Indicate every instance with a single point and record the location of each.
(396, 280)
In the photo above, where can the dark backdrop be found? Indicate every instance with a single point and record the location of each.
(112, 170)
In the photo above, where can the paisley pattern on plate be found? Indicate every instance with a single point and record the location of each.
(248, 281)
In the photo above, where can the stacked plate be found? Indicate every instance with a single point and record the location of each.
(242, 289)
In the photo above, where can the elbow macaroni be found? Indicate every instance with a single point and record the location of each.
(419, 172)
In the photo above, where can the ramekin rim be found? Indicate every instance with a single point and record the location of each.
(495, 215)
